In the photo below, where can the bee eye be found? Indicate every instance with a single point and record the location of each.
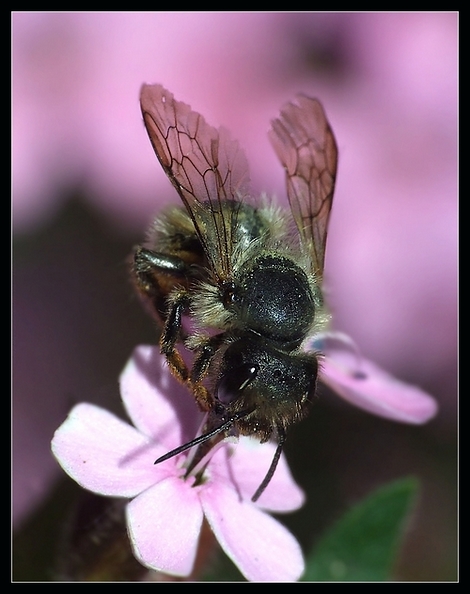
(232, 384)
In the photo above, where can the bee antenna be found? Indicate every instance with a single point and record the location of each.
(272, 468)
(205, 437)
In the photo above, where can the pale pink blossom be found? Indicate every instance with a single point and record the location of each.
(164, 517)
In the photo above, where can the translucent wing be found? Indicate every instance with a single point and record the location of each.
(206, 167)
(305, 144)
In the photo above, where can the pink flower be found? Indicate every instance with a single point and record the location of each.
(164, 517)
(364, 384)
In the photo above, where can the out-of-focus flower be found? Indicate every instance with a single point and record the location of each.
(165, 514)
(76, 81)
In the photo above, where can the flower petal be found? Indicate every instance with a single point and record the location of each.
(164, 524)
(104, 454)
(247, 467)
(155, 402)
(258, 544)
(371, 388)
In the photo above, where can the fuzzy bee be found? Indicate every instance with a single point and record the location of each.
(245, 274)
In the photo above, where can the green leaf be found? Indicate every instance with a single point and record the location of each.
(363, 545)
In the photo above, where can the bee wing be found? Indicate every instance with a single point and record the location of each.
(205, 166)
(305, 145)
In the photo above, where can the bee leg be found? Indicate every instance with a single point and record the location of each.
(155, 275)
(206, 348)
(179, 303)
(203, 397)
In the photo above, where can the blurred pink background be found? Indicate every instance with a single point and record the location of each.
(389, 84)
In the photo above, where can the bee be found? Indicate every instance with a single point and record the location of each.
(245, 274)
